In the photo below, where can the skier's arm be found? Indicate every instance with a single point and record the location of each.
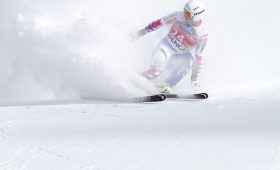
(198, 58)
(155, 25)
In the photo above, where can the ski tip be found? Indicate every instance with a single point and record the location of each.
(202, 95)
(163, 97)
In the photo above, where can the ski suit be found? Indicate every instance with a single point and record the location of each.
(185, 40)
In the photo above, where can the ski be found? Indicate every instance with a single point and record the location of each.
(187, 96)
(153, 98)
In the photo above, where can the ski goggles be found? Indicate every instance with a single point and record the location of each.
(187, 14)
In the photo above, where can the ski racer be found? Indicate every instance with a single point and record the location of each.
(185, 41)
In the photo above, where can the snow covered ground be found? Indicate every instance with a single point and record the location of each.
(240, 133)
(53, 53)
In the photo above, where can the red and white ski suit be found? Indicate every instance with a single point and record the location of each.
(184, 39)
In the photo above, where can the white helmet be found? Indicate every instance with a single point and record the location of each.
(196, 9)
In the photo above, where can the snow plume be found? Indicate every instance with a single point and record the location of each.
(68, 52)
(52, 49)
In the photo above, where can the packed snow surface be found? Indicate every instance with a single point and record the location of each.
(68, 68)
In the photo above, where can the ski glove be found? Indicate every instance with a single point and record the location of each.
(136, 35)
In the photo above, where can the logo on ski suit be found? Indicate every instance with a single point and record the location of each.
(182, 36)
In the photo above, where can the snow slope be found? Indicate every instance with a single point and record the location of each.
(240, 133)
(53, 53)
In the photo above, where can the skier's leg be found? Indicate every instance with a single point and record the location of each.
(183, 68)
(160, 57)
(182, 65)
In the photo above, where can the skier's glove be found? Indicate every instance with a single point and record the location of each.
(136, 35)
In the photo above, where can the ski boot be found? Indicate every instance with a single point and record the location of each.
(164, 88)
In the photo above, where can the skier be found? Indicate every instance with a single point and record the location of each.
(185, 41)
